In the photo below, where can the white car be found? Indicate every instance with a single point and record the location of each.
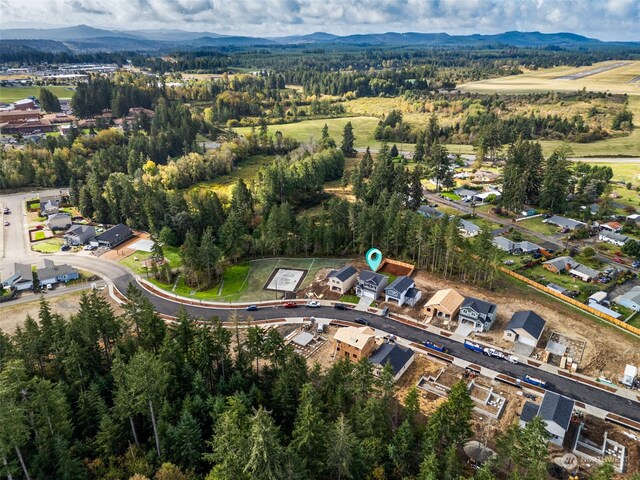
(313, 304)
(6, 224)
(89, 247)
(512, 359)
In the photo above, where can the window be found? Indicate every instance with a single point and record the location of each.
(355, 356)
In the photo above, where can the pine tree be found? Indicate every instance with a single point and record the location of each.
(555, 182)
(264, 449)
(347, 141)
(421, 147)
(342, 449)
(309, 433)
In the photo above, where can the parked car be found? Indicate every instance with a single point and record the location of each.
(252, 308)
(39, 227)
(290, 305)
(508, 262)
(313, 304)
(89, 248)
(385, 311)
(537, 255)
(340, 306)
(65, 248)
(6, 211)
(619, 260)
(49, 286)
(362, 321)
(636, 264)
(6, 224)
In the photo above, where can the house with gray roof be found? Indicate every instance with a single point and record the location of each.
(398, 359)
(370, 284)
(556, 412)
(631, 299)
(22, 278)
(468, 229)
(402, 290)
(52, 273)
(50, 207)
(79, 234)
(113, 236)
(524, 329)
(584, 273)
(515, 248)
(465, 193)
(59, 221)
(612, 237)
(343, 280)
(478, 312)
(430, 212)
(564, 222)
(557, 288)
(560, 264)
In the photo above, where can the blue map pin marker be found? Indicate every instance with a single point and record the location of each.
(374, 258)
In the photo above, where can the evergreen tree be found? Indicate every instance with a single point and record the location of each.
(555, 182)
(347, 141)
(265, 455)
(48, 101)
(342, 456)
(421, 148)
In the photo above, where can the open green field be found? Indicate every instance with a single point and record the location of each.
(245, 282)
(536, 225)
(246, 170)
(11, 94)
(363, 129)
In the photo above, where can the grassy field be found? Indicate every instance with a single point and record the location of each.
(11, 94)
(245, 282)
(134, 262)
(246, 170)
(536, 225)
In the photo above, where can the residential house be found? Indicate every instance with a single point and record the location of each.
(563, 222)
(584, 273)
(398, 359)
(597, 297)
(465, 193)
(483, 196)
(515, 248)
(402, 290)
(556, 412)
(79, 234)
(52, 273)
(612, 237)
(524, 328)
(631, 299)
(370, 284)
(22, 279)
(611, 226)
(468, 229)
(355, 343)
(484, 176)
(560, 264)
(343, 280)
(49, 207)
(478, 312)
(430, 212)
(59, 221)
(444, 304)
(112, 237)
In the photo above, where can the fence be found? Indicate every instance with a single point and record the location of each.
(571, 301)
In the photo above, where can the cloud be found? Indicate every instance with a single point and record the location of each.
(606, 19)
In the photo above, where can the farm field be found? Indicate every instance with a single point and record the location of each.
(11, 94)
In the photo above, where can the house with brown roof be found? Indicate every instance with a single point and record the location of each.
(444, 304)
(355, 343)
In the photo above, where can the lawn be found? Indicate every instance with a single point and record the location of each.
(49, 246)
(452, 196)
(350, 299)
(11, 94)
(39, 235)
(543, 276)
(134, 261)
(635, 320)
(536, 225)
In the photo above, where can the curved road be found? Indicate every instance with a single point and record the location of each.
(16, 250)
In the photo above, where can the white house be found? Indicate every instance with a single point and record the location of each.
(468, 229)
(631, 299)
(612, 237)
(556, 411)
(343, 280)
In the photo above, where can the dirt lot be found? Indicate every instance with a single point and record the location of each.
(13, 315)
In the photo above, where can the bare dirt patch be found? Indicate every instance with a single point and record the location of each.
(66, 305)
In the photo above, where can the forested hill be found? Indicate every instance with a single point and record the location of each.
(84, 38)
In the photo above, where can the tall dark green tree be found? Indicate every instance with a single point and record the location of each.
(347, 141)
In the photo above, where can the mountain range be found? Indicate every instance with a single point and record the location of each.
(86, 38)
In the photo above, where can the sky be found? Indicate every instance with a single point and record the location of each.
(603, 19)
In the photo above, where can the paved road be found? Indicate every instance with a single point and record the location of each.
(120, 277)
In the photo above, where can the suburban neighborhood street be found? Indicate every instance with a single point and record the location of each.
(16, 250)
